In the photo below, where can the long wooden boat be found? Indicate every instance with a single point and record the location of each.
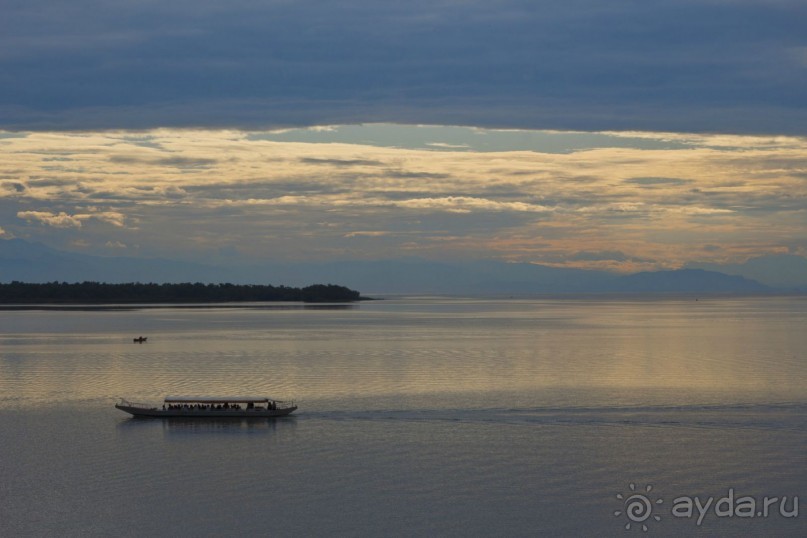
(210, 407)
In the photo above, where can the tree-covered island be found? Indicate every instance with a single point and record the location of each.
(130, 293)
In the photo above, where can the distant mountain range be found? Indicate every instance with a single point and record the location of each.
(784, 271)
(33, 262)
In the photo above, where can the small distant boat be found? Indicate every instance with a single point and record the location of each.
(140, 339)
(210, 407)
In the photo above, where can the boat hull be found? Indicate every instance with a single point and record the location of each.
(155, 412)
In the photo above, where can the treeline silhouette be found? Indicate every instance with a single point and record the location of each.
(102, 293)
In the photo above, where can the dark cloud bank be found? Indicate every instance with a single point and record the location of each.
(679, 65)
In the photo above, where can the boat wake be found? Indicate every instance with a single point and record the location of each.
(777, 417)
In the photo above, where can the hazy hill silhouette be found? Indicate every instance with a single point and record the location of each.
(31, 262)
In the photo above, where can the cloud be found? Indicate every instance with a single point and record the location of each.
(61, 220)
(682, 65)
(599, 256)
(446, 145)
(368, 233)
(340, 162)
(178, 162)
(14, 185)
(114, 218)
(656, 181)
(589, 200)
(466, 204)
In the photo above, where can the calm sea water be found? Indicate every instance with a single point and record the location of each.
(418, 417)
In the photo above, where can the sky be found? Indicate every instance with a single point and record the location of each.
(619, 135)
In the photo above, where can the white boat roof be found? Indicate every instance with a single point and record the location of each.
(218, 399)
